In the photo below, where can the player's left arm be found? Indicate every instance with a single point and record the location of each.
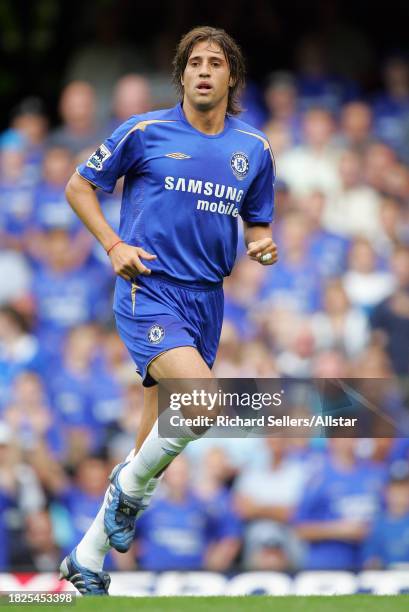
(259, 242)
(257, 212)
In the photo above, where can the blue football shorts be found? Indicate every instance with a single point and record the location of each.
(154, 315)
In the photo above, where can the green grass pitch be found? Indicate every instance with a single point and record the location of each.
(348, 603)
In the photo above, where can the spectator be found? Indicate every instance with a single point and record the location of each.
(266, 498)
(327, 248)
(387, 544)
(392, 106)
(83, 498)
(51, 209)
(339, 326)
(15, 210)
(70, 390)
(294, 282)
(353, 210)
(181, 531)
(30, 417)
(212, 487)
(19, 349)
(390, 318)
(256, 360)
(216, 473)
(15, 268)
(313, 164)
(337, 508)
(380, 450)
(30, 120)
(279, 137)
(356, 126)
(379, 160)
(20, 495)
(366, 286)
(296, 360)
(66, 292)
(79, 129)
(394, 226)
(242, 289)
(7, 498)
(50, 205)
(281, 102)
(396, 183)
(331, 364)
(107, 392)
(41, 553)
(132, 96)
(16, 197)
(227, 362)
(122, 433)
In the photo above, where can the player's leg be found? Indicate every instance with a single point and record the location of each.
(156, 453)
(172, 352)
(181, 362)
(93, 547)
(130, 481)
(149, 415)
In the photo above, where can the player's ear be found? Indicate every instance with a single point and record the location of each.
(232, 82)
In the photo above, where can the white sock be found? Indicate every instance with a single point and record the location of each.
(154, 455)
(150, 490)
(138, 479)
(94, 545)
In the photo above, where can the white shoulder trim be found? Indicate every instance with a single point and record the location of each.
(265, 142)
(142, 125)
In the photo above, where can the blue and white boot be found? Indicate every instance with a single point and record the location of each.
(85, 581)
(120, 513)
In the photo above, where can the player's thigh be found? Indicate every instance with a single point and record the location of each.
(182, 370)
(183, 362)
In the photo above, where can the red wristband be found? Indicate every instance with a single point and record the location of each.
(113, 246)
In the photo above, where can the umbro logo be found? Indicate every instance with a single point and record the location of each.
(178, 155)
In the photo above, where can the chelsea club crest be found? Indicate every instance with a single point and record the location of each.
(156, 334)
(239, 163)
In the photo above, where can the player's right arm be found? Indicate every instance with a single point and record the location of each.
(125, 259)
(120, 154)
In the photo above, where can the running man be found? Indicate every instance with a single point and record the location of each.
(189, 172)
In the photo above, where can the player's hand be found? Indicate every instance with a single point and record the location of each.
(264, 251)
(126, 260)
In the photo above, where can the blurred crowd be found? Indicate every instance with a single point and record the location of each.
(335, 305)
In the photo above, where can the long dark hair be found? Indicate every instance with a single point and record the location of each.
(232, 54)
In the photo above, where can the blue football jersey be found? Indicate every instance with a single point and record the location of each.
(184, 190)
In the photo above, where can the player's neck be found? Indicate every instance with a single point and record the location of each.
(209, 122)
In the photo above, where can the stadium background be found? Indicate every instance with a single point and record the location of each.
(329, 84)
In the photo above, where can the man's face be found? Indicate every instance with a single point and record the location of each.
(400, 268)
(206, 78)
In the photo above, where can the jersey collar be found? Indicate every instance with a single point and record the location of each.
(182, 116)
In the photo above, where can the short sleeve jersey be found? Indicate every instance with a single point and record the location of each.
(184, 190)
